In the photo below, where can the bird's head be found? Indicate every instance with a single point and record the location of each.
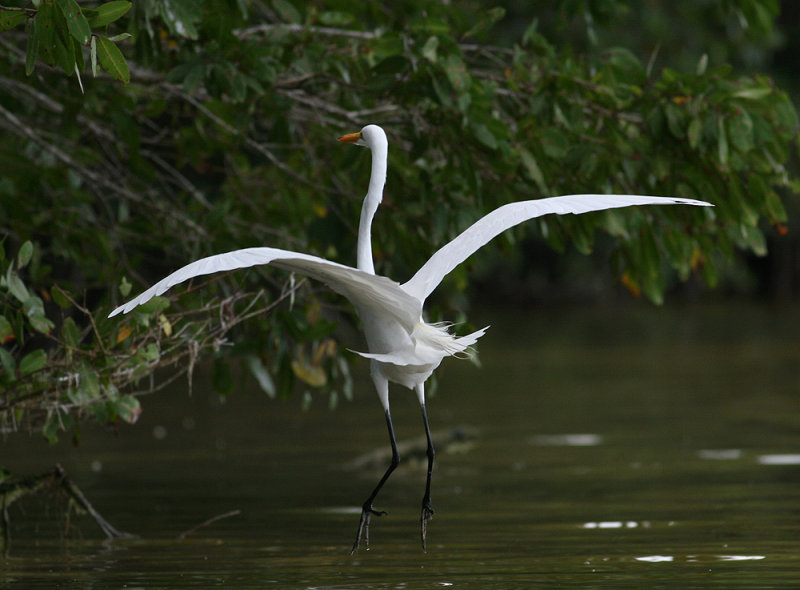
(369, 136)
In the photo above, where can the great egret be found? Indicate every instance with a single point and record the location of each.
(403, 347)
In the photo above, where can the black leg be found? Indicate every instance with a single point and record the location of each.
(427, 509)
(367, 510)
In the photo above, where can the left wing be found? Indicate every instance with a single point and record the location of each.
(479, 233)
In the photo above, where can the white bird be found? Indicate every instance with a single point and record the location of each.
(403, 347)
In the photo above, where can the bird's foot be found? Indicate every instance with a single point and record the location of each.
(363, 526)
(427, 514)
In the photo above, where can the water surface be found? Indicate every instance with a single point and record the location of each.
(614, 447)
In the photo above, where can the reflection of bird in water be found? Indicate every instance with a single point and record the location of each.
(403, 348)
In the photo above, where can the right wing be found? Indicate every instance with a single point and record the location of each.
(364, 290)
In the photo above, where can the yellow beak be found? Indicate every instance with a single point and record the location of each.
(350, 137)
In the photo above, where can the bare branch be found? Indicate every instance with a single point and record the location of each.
(308, 29)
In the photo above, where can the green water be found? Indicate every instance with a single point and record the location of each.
(614, 448)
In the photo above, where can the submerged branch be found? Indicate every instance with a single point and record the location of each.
(14, 489)
(205, 523)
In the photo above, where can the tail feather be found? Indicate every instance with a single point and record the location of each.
(439, 338)
(471, 339)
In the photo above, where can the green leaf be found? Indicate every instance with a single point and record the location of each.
(25, 254)
(676, 120)
(107, 13)
(763, 195)
(537, 42)
(786, 116)
(335, 18)
(394, 64)
(442, 92)
(32, 305)
(124, 287)
(488, 19)
(70, 333)
(55, 43)
(46, 27)
(344, 371)
(190, 75)
(679, 250)
(181, 17)
(8, 363)
(78, 71)
(260, 372)
(702, 65)
(333, 400)
(756, 93)
(76, 23)
(112, 60)
(93, 55)
(89, 384)
(625, 67)
(554, 142)
(482, 134)
(722, 141)
(120, 37)
(740, 131)
(33, 361)
(752, 238)
(533, 170)
(776, 213)
(457, 73)
(746, 205)
(32, 47)
(149, 354)
(40, 323)
(51, 426)
(695, 132)
(17, 287)
(60, 297)
(430, 47)
(6, 330)
(287, 11)
(103, 412)
(128, 408)
(11, 18)
(155, 305)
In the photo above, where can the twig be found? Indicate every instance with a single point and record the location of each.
(182, 181)
(211, 520)
(29, 11)
(250, 142)
(314, 30)
(19, 128)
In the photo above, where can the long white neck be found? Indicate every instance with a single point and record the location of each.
(377, 179)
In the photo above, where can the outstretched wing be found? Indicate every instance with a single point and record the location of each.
(479, 233)
(364, 290)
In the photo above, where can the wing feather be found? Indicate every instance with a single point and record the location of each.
(364, 290)
(479, 233)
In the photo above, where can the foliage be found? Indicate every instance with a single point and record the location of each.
(740, 32)
(224, 138)
(57, 31)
